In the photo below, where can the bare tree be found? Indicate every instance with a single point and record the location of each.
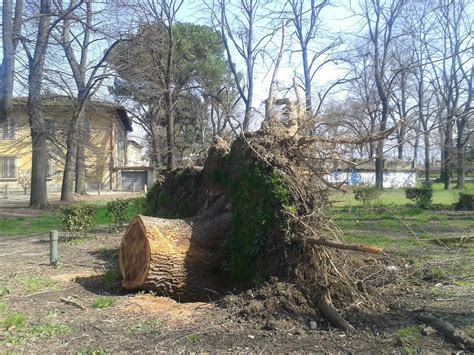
(238, 21)
(402, 57)
(363, 90)
(78, 34)
(381, 17)
(449, 55)
(306, 22)
(11, 28)
(38, 196)
(36, 54)
(418, 27)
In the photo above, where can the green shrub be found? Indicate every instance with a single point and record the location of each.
(77, 220)
(117, 212)
(150, 205)
(466, 201)
(367, 195)
(138, 205)
(422, 196)
(427, 184)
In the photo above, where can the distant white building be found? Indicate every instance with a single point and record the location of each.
(397, 174)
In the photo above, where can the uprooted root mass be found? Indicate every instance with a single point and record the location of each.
(271, 185)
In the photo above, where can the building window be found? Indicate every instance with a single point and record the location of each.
(50, 129)
(8, 129)
(8, 168)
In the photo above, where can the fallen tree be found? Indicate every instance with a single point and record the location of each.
(174, 257)
(254, 213)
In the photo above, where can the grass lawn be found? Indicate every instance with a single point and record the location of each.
(446, 198)
(396, 224)
(42, 224)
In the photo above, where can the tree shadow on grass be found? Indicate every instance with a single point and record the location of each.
(107, 282)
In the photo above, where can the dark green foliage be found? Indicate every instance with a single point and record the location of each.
(466, 201)
(178, 198)
(422, 196)
(117, 212)
(77, 220)
(367, 195)
(427, 184)
(255, 195)
(150, 205)
(138, 205)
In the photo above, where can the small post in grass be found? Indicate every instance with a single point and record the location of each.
(53, 247)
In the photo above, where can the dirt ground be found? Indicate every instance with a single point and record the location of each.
(145, 323)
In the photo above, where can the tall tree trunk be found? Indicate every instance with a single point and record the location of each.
(400, 151)
(11, 28)
(170, 138)
(379, 166)
(379, 151)
(426, 135)
(68, 187)
(307, 80)
(416, 146)
(447, 147)
(460, 165)
(80, 187)
(156, 154)
(38, 197)
(39, 157)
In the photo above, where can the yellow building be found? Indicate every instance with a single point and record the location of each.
(105, 137)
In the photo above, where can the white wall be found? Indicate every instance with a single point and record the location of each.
(390, 179)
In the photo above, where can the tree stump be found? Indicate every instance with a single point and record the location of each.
(176, 258)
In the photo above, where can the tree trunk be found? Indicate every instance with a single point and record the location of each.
(446, 172)
(427, 155)
(177, 258)
(460, 166)
(307, 80)
(379, 166)
(39, 156)
(170, 138)
(11, 28)
(400, 150)
(38, 196)
(80, 187)
(67, 187)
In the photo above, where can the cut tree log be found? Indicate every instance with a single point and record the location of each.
(176, 258)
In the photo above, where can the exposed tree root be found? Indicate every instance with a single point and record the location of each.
(337, 245)
(454, 335)
(326, 307)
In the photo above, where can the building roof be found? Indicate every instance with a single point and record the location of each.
(135, 143)
(66, 102)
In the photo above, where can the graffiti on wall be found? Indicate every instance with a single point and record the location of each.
(394, 179)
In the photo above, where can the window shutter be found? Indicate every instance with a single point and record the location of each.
(13, 168)
(8, 168)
